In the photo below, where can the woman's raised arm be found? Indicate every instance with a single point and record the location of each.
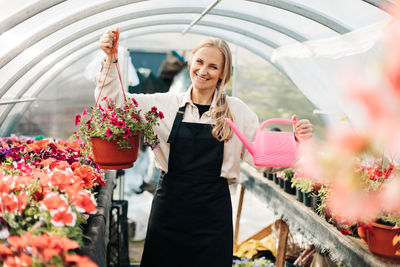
(108, 83)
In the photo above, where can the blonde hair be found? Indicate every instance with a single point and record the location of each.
(221, 131)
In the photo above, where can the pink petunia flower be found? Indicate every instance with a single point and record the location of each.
(126, 132)
(126, 107)
(135, 102)
(114, 121)
(109, 133)
(160, 115)
(88, 123)
(84, 112)
(153, 110)
(121, 124)
(77, 119)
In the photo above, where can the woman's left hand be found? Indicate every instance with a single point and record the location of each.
(302, 129)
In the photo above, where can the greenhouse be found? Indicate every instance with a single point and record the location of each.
(200, 133)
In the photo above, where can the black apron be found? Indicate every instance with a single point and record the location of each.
(190, 223)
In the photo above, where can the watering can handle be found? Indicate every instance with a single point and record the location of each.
(275, 121)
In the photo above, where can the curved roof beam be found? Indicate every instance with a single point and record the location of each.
(260, 21)
(24, 69)
(88, 48)
(89, 11)
(130, 27)
(26, 13)
(57, 25)
(307, 12)
(137, 26)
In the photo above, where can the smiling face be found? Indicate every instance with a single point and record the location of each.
(206, 68)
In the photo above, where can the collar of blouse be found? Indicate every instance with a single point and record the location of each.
(187, 99)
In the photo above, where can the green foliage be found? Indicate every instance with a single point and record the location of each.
(392, 219)
(114, 123)
(322, 193)
(288, 174)
(303, 184)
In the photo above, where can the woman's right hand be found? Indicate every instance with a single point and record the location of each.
(106, 43)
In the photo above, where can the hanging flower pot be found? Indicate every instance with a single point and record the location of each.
(109, 155)
(382, 241)
(111, 129)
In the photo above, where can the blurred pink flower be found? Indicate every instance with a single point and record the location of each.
(351, 204)
(389, 196)
(308, 165)
(347, 140)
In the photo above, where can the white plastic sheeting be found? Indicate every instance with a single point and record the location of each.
(41, 38)
(329, 59)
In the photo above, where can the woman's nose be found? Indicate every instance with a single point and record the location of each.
(203, 70)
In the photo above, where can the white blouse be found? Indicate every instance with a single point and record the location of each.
(169, 103)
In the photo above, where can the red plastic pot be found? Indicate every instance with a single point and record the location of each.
(362, 233)
(108, 156)
(380, 242)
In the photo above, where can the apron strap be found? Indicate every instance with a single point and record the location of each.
(177, 123)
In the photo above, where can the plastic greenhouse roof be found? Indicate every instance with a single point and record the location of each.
(38, 39)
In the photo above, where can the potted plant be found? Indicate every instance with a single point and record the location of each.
(383, 234)
(113, 132)
(383, 237)
(305, 186)
(317, 196)
(288, 175)
(270, 176)
(296, 184)
(276, 179)
(281, 181)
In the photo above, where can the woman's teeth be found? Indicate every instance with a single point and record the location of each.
(201, 78)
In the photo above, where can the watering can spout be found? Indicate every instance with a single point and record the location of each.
(249, 145)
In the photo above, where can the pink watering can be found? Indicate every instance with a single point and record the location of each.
(270, 149)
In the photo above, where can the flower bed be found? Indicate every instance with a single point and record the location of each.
(46, 194)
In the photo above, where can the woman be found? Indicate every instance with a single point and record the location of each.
(191, 217)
